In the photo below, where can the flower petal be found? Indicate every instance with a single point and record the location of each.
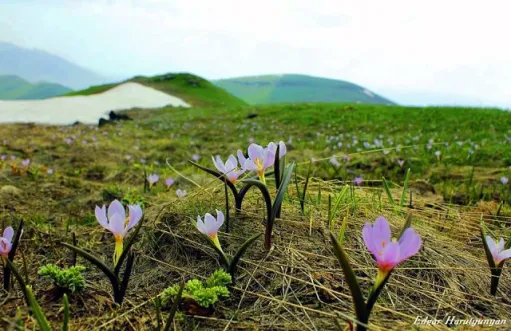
(500, 246)
(255, 152)
(367, 235)
(250, 165)
(410, 243)
(210, 222)
(390, 256)
(282, 149)
(241, 158)
(504, 255)
(381, 229)
(135, 214)
(492, 246)
(218, 164)
(219, 219)
(101, 216)
(8, 233)
(200, 225)
(269, 158)
(116, 208)
(116, 225)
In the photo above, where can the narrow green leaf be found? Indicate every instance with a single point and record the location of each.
(405, 188)
(15, 272)
(37, 311)
(97, 262)
(227, 216)
(304, 193)
(269, 208)
(65, 323)
(126, 277)
(351, 279)
(387, 190)
(127, 247)
(157, 306)
(241, 251)
(407, 224)
(175, 305)
(343, 230)
(16, 241)
(282, 190)
(217, 175)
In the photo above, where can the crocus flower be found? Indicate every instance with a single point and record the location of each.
(169, 182)
(180, 193)
(210, 226)
(387, 251)
(152, 179)
(358, 180)
(504, 180)
(118, 223)
(3, 157)
(282, 150)
(6, 242)
(230, 168)
(401, 162)
(25, 162)
(497, 250)
(195, 157)
(259, 160)
(334, 162)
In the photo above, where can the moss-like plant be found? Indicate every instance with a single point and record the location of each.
(68, 280)
(205, 294)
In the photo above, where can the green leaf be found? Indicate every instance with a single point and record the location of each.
(236, 258)
(269, 208)
(127, 247)
(405, 188)
(407, 224)
(126, 277)
(174, 307)
(23, 285)
(224, 261)
(282, 190)
(65, 323)
(97, 262)
(387, 190)
(227, 216)
(37, 311)
(16, 241)
(351, 279)
(343, 230)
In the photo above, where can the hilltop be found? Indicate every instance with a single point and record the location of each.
(195, 90)
(291, 88)
(15, 88)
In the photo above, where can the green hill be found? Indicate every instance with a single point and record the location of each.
(193, 89)
(15, 88)
(297, 88)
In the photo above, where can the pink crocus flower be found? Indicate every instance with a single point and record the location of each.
(387, 251)
(25, 162)
(210, 226)
(259, 159)
(230, 168)
(6, 242)
(117, 222)
(152, 179)
(196, 157)
(497, 250)
(504, 180)
(282, 150)
(169, 182)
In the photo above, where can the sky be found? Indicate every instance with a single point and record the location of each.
(412, 52)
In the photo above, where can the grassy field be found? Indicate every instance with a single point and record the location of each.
(457, 157)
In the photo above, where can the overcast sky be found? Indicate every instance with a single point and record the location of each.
(414, 52)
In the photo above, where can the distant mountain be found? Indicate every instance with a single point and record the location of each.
(297, 88)
(15, 88)
(36, 65)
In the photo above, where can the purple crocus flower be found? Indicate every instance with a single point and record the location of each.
(388, 252)
(3, 157)
(230, 168)
(25, 162)
(358, 180)
(169, 182)
(210, 226)
(69, 141)
(117, 223)
(152, 179)
(282, 148)
(196, 157)
(497, 250)
(6, 241)
(259, 160)
(504, 180)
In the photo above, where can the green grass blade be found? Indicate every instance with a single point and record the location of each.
(174, 307)
(282, 190)
(342, 232)
(37, 311)
(351, 279)
(407, 224)
(387, 190)
(65, 323)
(405, 188)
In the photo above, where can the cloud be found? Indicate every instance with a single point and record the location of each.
(454, 47)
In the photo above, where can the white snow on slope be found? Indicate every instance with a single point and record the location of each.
(85, 109)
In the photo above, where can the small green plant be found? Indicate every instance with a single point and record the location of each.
(205, 294)
(69, 280)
